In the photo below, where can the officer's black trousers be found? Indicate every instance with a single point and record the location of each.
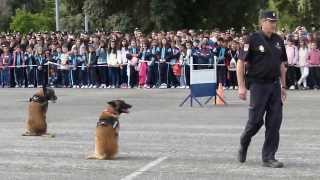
(265, 99)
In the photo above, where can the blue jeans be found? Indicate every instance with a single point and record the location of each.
(114, 76)
(5, 77)
(65, 77)
(83, 77)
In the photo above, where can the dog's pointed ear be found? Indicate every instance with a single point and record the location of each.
(44, 89)
(112, 103)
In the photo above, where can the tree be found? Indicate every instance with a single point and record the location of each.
(72, 23)
(294, 13)
(119, 22)
(40, 7)
(73, 7)
(164, 15)
(33, 6)
(5, 14)
(152, 15)
(25, 22)
(176, 14)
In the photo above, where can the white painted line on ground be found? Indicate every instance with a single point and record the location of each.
(144, 168)
(22, 100)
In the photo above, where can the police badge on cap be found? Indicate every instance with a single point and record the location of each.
(261, 48)
(278, 45)
(269, 15)
(246, 47)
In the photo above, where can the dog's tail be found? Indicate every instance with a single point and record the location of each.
(30, 134)
(101, 157)
(92, 157)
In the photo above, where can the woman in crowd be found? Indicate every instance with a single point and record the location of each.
(124, 64)
(166, 64)
(113, 64)
(132, 55)
(5, 62)
(293, 57)
(303, 64)
(101, 54)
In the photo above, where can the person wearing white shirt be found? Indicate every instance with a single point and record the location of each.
(303, 64)
(124, 66)
(113, 60)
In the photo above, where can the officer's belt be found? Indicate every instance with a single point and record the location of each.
(264, 81)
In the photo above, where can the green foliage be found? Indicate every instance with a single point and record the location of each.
(119, 22)
(4, 23)
(5, 14)
(72, 23)
(73, 7)
(33, 6)
(25, 22)
(49, 8)
(175, 14)
(295, 13)
(162, 14)
(97, 8)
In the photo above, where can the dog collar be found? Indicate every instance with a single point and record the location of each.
(108, 121)
(38, 99)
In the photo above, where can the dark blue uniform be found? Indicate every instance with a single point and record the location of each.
(30, 70)
(263, 56)
(164, 66)
(153, 78)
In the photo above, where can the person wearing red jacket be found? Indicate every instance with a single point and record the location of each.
(314, 62)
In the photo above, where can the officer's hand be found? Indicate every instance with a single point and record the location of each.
(242, 93)
(283, 95)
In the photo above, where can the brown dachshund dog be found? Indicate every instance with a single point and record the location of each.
(38, 105)
(107, 130)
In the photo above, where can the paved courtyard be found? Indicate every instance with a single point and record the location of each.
(158, 139)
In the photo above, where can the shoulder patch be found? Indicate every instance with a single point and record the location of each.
(246, 47)
(261, 48)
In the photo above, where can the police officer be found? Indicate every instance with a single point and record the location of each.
(264, 56)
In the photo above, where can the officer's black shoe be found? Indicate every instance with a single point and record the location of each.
(272, 163)
(242, 154)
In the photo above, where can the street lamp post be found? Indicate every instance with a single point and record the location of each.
(86, 22)
(57, 3)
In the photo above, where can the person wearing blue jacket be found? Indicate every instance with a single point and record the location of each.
(221, 63)
(101, 54)
(92, 62)
(40, 61)
(153, 78)
(133, 61)
(75, 59)
(5, 61)
(165, 57)
(30, 69)
(19, 62)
